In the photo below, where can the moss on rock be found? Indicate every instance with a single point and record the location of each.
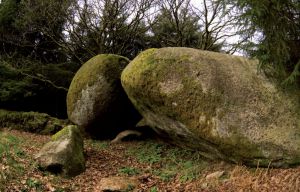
(33, 122)
(64, 153)
(96, 100)
(62, 133)
(216, 103)
(89, 74)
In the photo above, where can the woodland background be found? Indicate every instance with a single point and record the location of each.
(44, 42)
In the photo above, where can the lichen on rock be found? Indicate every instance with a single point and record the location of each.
(216, 103)
(96, 100)
(33, 122)
(64, 153)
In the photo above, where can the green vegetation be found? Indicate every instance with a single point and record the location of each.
(162, 160)
(34, 73)
(34, 184)
(16, 163)
(44, 43)
(10, 154)
(98, 144)
(277, 45)
(168, 161)
(178, 169)
(32, 85)
(154, 189)
(147, 153)
(129, 171)
(187, 164)
(30, 122)
(60, 134)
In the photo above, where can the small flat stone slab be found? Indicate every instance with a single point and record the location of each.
(118, 184)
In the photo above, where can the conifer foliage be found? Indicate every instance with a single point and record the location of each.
(276, 26)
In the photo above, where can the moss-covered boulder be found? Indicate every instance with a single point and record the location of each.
(215, 103)
(64, 153)
(33, 122)
(96, 100)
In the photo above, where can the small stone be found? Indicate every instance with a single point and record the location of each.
(118, 184)
(204, 185)
(215, 175)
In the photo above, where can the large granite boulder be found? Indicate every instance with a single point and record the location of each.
(96, 100)
(64, 153)
(215, 103)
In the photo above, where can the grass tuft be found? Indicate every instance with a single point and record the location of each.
(129, 171)
(167, 161)
(10, 153)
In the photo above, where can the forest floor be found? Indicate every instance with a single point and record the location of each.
(156, 165)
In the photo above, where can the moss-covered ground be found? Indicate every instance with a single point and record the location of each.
(157, 165)
(31, 122)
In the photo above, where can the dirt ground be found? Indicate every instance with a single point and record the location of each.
(156, 165)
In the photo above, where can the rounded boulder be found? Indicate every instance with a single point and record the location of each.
(216, 103)
(96, 100)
